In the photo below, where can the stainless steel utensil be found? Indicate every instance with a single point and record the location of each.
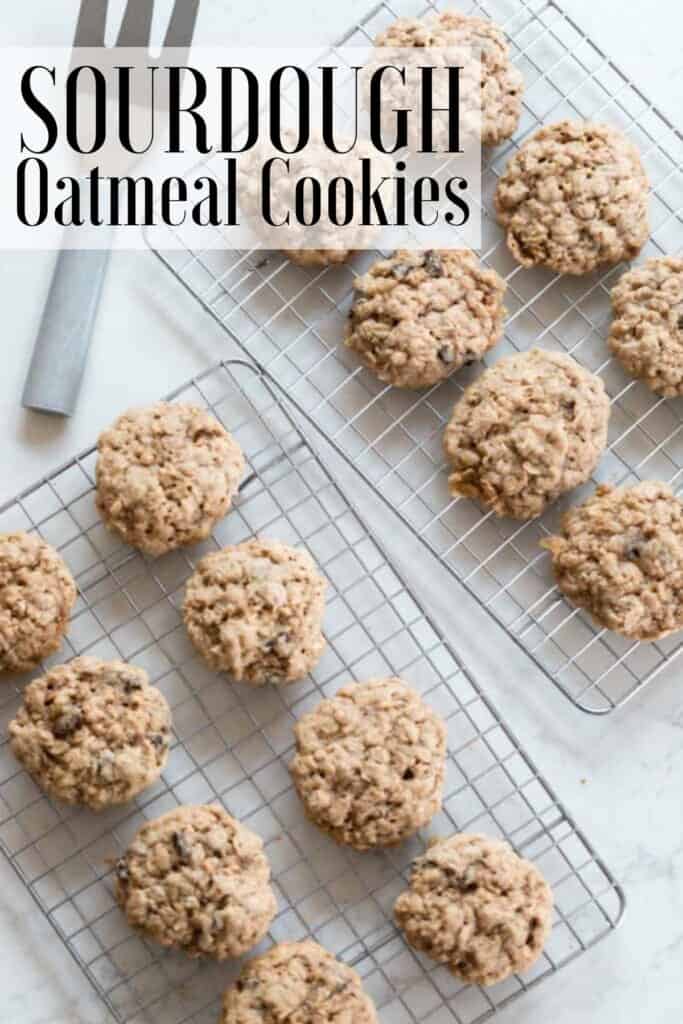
(61, 348)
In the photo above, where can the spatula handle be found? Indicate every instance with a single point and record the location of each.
(63, 341)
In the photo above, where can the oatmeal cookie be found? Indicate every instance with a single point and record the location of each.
(620, 557)
(166, 474)
(502, 85)
(476, 907)
(255, 611)
(419, 316)
(197, 880)
(312, 245)
(92, 732)
(37, 593)
(528, 430)
(299, 982)
(573, 198)
(369, 764)
(647, 332)
(317, 259)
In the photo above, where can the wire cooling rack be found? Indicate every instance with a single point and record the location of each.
(232, 744)
(292, 321)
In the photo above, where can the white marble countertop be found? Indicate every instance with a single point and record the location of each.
(621, 776)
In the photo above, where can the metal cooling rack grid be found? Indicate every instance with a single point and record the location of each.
(232, 744)
(292, 322)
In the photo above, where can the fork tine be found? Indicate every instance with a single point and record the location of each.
(182, 25)
(92, 23)
(136, 26)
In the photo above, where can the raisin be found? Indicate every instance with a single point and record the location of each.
(181, 845)
(67, 724)
(409, 775)
(433, 264)
(158, 741)
(122, 870)
(276, 641)
(132, 683)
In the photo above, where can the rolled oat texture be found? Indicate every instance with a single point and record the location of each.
(647, 330)
(619, 556)
(502, 84)
(297, 982)
(369, 763)
(92, 732)
(574, 198)
(531, 428)
(166, 474)
(37, 594)
(198, 880)
(477, 908)
(255, 611)
(420, 316)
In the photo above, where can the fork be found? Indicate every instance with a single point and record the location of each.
(61, 348)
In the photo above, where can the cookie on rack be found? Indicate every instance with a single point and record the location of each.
(419, 316)
(620, 557)
(369, 764)
(299, 982)
(166, 474)
(647, 331)
(255, 611)
(197, 880)
(320, 242)
(531, 428)
(574, 198)
(477, 907)
(318, 259)
(92, 732)
(37, 594)
(502, 85)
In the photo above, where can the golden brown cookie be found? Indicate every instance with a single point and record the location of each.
(92, 732)
(197, 880)
(502, 85)
(574, 197)
(531, 428)
(620, 556)
(166, 474)
(476, 907)
(369, 764)
(37, 594)
(255, 611)
(647, 331)
(297, 982)
(419, 316)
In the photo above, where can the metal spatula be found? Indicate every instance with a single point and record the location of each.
(63, 341)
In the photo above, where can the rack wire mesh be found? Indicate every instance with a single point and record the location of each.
(232, 744)
(292, 322)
